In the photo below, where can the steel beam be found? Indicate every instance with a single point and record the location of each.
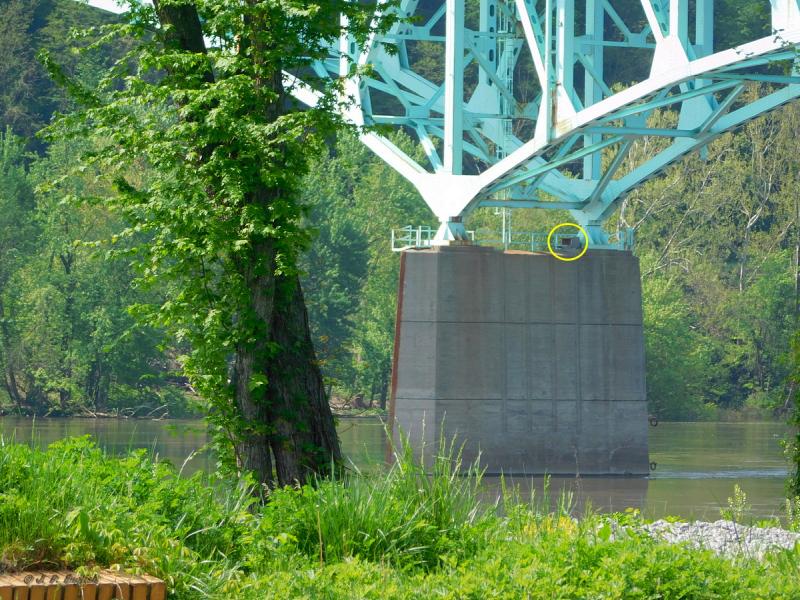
(454, 86)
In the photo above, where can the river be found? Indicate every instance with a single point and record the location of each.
(697, 464)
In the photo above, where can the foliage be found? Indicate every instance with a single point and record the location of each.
(679, 364)
(793, 513)
(722, 230)
(72, 506)
(718, 269)
(793, 444)
(351, 280)
(405, 517)
(132, 511)
(718, 229)
(737, 506)
(67, 342)
(217, 224)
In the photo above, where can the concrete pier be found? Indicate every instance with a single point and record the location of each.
(536, 363)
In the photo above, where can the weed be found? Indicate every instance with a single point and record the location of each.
(737, 506)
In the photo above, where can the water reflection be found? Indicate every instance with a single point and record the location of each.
(697, 463)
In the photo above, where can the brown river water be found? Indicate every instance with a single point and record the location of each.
(698, 464)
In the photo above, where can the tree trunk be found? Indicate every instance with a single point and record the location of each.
(305, 440)
(289, 432)
(385, 388)
(67, 261)
(9, 377)
(797, 262)
(95, 383)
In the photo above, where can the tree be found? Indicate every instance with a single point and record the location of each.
(678, 359)
(67, 343)
(720, 227)
(17, 229)
(225, 149)
(793, 444)
(27, 95)
(335, 265)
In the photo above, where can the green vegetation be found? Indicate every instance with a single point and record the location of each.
(792, 446)
(28, 97)
(399, 534)
(722, 234)
(351, 280)
(67, 342)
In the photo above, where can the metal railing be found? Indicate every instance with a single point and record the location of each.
(405, 238)
(408, 237)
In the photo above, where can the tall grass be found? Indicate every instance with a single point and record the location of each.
(404, 517)
(72, 505)
(403, 533)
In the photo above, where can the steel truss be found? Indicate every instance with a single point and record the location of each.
(578, 134)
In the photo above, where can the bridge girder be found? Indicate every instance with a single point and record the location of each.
(487, 144)
(579, 134)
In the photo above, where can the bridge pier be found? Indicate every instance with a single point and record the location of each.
(534, 362)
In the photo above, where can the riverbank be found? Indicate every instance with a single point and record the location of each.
(159, 413)
(392, 535)
(339, 409)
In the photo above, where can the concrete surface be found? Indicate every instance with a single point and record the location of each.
(534, 362)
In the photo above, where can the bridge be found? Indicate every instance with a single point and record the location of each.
(537, 364)
(534, 362)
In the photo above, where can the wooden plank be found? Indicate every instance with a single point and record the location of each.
(28, 588)
(6, 588)
(89, 590)
(119, 584)
(20, 587)
(66, 585)
(72, 591)
(53, 583)
(140, 592)
(158, 589)
(37, 591)
(72, 586)
(139, 588)
(105, 591)
(121, 590)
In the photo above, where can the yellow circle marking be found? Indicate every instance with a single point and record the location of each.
(559, 226)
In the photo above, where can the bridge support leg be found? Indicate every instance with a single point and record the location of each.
(450, 232)
(535, 363)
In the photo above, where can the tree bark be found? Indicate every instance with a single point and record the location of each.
(305, 440)
(385, 378)
(67, 260)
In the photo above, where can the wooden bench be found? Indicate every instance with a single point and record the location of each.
(66, 585)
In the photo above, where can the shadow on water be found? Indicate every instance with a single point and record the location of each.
(698, 464)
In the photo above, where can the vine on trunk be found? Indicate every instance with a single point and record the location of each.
(207, 151)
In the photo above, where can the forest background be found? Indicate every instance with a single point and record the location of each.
(718, 237)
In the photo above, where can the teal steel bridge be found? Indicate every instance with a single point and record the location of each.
(563, 143)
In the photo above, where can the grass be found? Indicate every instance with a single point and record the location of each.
(397, 534)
